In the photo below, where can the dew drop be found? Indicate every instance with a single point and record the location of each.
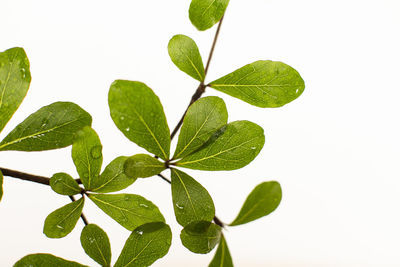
(143, 205)
(44, 122)
(95, 152)
(179, 206)
(122, 118)
(297, 91)
(139, 232)
(59, 227)
(91, 239)
(23, 73)
(127, 198)
(127, 129)
(253, 148)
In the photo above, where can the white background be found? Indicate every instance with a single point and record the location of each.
(335, 150)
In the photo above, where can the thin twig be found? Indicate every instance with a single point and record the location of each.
(164, 178)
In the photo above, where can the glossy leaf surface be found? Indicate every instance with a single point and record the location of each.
(128, 210)
(113, 177)
(142, 166)
(205, 13)
(15, 78)
(87, 156)
(203, 118)
(222, 257)
(96, 244)
(263, 83)
(145, 245)
(201, 237)
(53, 126)
(62, 221)
(191, 200)
(64, 184)
(231, 147)
(45, 260)
(138, 113)
(185, 54)
(263, 200)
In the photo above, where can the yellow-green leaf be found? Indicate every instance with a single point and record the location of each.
(263, 83)
(62, 183)
(138, 113)
(231, 147)
(263, 200)
(205, 13)
(142, 166)
(222, 257)
(200, 237)
(45, 260)
(96, 244)
(62, 221)
(15, 78)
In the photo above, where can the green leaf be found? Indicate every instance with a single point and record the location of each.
(222, 257)
(15, 78)
(231, 147)
(128, 210)
(64, 184)
(205, 13)
(62, 221)
(113, 177)
(51, 127)
(191, 201)
(87, 156)
(96, 244)
(201, 237)
(202, 119)
(263, 83)
(142, 165)
(145, 245)
(1, 185)
(45, 260)
(263, 200)
(138, 113)
(186, 56)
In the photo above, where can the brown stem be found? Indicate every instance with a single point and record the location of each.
(83, 217)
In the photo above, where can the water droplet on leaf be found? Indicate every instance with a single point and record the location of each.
(95, 152)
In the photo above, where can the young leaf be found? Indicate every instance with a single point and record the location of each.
(45, 260)
(263, 83)
(51, 127)
(87, 157)
(138, 113)
(200, 237)
(96, 244)
(205, 13)
(128, 210)
(263, 200)
(142, 165)
(185, 54)
(202, 119)
(113, 177)
(222, 257)
(191, 201)
(231, 147)
(64, 184)
(1, 185)
(62, 221)
(146, 244)
(14, 82)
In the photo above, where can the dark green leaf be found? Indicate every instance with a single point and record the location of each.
(51, 127)
(1, 185)
(222, 257)
(202, 119)
(205, 13)
(64, 184)
(128, 210)
(263, 200)
(231, 147)
(96, 244)
(201, 237)
(138, 113)
(62, 221)
(45, 260)
(142, 165)
(191, 201)
(14, 82)
(113, 177)
(263, 83)
(87, 156)
(145, 245)
(186, 56)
